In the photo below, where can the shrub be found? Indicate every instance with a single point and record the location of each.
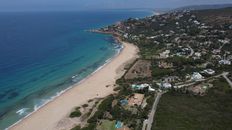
(76, 113)
(117, 88)
(85, 105)
(90, 100)
(104, 106)
(77, 108)
(76, 128)
(91, 126)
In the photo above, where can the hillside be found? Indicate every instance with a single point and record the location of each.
(204, 7)
(185, 67)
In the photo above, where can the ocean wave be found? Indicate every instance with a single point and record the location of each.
(76, 78)
(22, 111)
(44, 102)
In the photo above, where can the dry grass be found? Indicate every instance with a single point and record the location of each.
(141, 69)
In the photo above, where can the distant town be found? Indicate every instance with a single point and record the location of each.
(181, 80)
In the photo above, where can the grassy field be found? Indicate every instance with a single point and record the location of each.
(107, 125)
(213, 111)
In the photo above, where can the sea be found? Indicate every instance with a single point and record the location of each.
(42, 54)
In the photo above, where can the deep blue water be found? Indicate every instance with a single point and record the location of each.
(40, 52)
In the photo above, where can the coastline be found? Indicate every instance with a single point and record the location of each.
(48, 115)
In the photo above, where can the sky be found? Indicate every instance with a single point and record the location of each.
(37, 5)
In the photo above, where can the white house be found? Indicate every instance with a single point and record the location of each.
(225, 62)
(209, 71)
(230, 27)
(196, 22)
(164, 85)
(198, 54)
(165, 54)
(142, 86)
(196, 76)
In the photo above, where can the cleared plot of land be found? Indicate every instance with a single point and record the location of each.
(213, 111)
(141, 69)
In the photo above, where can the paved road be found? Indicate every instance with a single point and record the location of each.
(227, 79)
(152, 114)
(147, 124)
(144, 124)
(180, 85)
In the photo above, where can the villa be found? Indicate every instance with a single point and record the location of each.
(225, 62)
(209, 71)
(170, 79)
(164, 54)
(196, 76)
(164, 85)
(142, 86)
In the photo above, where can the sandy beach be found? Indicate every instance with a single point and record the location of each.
(47, 117)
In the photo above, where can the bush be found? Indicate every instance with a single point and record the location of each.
(157, 72)
(90, 100)
(77, 108)
(85, 105)
(76, 113)
(91, 126)
(103, 107)
(76, 128)
(117, 88)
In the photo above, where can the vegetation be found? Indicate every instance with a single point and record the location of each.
(76, 128)
(157, 72)
(107, 125)
(175, 44)
(104, 106)
(85, 105)
(178, 111)
(76, 113)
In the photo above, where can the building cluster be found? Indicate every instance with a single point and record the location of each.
(206, 45)
(182, 51)
(181, 33)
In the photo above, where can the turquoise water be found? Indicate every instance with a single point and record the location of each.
(44, 53)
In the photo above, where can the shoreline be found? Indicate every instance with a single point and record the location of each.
(61, 106)
(70, 87)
